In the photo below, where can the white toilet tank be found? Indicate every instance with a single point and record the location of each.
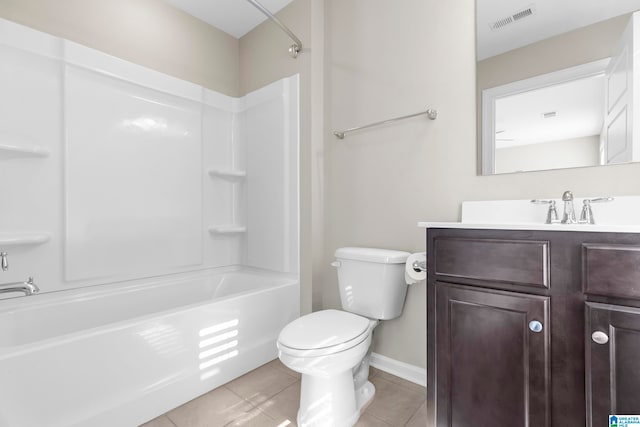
(371, 281)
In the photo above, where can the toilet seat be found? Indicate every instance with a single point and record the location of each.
(324, 332)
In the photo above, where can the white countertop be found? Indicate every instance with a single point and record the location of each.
(622, 215)
(601, 228)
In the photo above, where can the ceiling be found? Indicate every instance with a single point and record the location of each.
(578, 106)
(234, 17)
(549, 18)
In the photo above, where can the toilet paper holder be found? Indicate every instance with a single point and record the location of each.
(419, 266)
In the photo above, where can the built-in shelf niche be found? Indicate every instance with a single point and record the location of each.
(24, 239)
(227, 229)
(32, 151)
(227, 174)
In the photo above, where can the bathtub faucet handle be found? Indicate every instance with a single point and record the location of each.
(5, 263)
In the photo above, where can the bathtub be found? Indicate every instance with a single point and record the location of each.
(124, 354)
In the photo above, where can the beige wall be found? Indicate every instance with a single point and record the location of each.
(264, 58)
(568, 153)
(390, 58)
(380, 59)
(576, 47)
(147, 32)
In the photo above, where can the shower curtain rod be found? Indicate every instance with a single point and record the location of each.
(296, 47)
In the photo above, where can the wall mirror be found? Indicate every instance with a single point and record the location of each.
(555, 84)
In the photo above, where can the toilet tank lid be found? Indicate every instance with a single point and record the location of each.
(383, 256)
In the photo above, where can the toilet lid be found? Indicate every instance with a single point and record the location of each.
(326, 328)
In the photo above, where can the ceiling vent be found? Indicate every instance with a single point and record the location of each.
(514, 17)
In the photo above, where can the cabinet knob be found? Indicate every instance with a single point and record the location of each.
(599, 337)
(535, 326)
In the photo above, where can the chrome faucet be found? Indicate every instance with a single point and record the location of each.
(28, 287)
(569, 215)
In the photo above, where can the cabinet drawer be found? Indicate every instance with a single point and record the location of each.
(522, 262)
(612, 270)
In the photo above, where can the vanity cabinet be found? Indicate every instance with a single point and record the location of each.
(510, 322)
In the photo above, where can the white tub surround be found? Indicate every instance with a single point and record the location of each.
(121, 355)
(117, 175)
(112, 171)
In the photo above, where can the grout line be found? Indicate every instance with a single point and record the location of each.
(415, 413)
(272, 397)
(253, 406)
(170, 420)
(382, 375)
(379, 419)
(242, 416)
(282, 368)
(407, 389)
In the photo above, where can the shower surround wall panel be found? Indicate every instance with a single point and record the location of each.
(221, 123)
(122, 172)
(30, 122)
(272, 213)
(133, 178)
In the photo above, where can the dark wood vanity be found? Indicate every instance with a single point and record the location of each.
(532, 328)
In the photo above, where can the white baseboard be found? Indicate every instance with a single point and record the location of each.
(403, 370)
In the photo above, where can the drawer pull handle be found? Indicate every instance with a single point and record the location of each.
(599, 337)
(535, 326)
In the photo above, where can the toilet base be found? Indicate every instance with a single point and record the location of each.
(332, 402)
(364, 396)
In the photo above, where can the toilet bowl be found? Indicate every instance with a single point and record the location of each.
(326, 347)
(331, 348)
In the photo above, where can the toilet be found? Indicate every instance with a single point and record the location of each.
(331, 348)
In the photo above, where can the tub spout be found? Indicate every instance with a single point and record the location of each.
(28, 287)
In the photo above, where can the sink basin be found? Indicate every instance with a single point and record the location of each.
(620, 215)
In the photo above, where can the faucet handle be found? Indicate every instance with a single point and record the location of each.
(586, 216)
(4, 262)
(542, 202)
(552, 213)
(599, 200)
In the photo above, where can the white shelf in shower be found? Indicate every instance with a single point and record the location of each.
(17, 239)
(227, 173)
(33, 151)
(227, 229)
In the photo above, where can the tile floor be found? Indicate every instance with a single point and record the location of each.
(269, 396)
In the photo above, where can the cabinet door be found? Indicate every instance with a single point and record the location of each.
(612, 362)
(492, 368)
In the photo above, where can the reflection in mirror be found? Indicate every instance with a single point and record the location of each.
(555, 84)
